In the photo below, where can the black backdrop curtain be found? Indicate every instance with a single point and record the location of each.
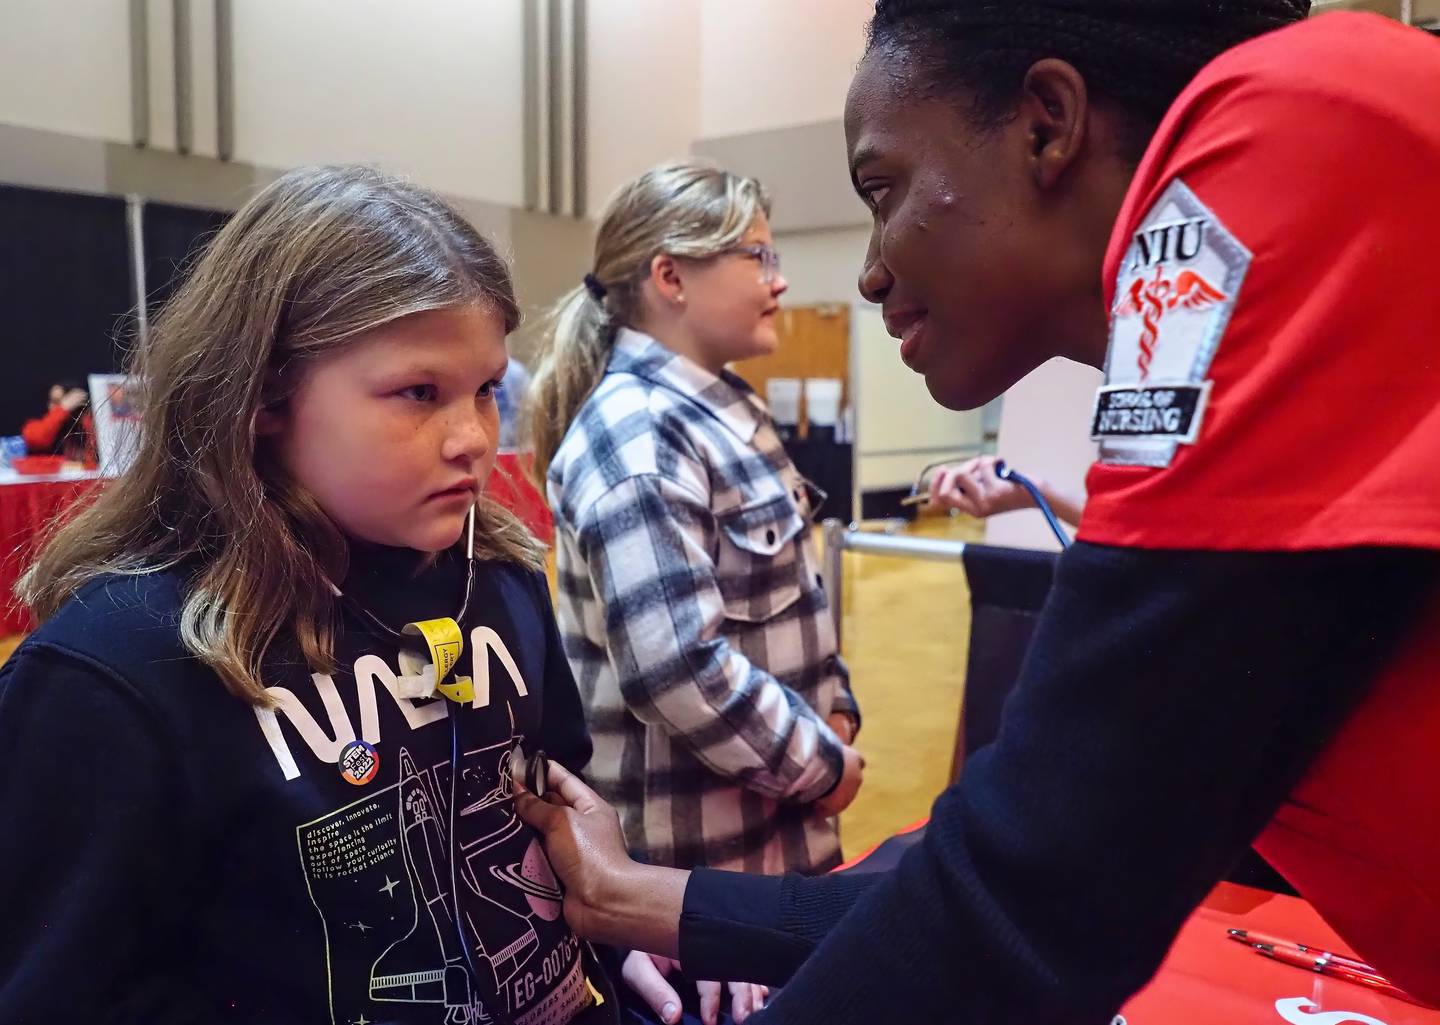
(174, 236)
(65, 292)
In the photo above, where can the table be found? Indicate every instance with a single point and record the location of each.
(1209, 979)
(27, 507)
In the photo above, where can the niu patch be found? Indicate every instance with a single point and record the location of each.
(1177, 288)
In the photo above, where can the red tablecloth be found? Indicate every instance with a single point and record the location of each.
(26, 510)
(511, 487)
(1209, 979)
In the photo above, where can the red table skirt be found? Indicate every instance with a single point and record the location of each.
(510, 486)
(26, 511)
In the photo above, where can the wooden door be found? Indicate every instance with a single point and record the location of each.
(814, 342)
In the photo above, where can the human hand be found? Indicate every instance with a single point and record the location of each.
(608, 896)
(646, 975)
(844, 793)
(973, 487)
(583, 841)
(74, 399)
(842, 724)
(745, 999)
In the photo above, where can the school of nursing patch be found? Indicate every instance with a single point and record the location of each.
(1177, 289)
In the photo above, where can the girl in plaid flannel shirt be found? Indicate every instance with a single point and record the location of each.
(690, 601)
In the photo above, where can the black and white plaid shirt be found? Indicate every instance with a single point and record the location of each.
(693, 615)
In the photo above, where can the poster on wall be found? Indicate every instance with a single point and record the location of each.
(114, 403)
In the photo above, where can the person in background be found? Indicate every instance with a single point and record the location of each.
(690, 598)
(1230, 208)
(972, 487)
(66, 429)
(510, 398)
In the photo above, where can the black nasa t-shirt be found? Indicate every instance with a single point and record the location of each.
(349, 855)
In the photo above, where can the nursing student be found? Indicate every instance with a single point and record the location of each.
(1230, 209)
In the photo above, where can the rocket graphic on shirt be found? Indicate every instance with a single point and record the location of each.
(431, 889)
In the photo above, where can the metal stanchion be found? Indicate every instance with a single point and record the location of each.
(838, 540)
(834, 532)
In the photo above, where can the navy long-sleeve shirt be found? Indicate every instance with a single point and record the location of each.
(1169, 703)
(176, 855)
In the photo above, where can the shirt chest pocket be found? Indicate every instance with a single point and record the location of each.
(758, 565)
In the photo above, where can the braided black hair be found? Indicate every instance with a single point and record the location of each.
(1138, 54)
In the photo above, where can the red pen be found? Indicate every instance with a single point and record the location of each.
(1253, 938)
(1329, 969)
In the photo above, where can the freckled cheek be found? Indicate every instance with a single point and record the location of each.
(387, 455)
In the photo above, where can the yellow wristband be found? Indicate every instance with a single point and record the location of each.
(446, 644)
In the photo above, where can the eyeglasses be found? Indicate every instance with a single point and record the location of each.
(767, 257)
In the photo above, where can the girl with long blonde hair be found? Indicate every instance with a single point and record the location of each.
(690, 600)
(263, 746)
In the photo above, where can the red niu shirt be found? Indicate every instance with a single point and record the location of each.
(1273, 383)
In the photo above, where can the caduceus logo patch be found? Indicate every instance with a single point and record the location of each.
(1150, 299)
(1176, 291)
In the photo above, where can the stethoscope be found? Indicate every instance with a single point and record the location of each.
(530, 772)
(1004, 472)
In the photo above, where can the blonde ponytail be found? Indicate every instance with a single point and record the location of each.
(569, 363)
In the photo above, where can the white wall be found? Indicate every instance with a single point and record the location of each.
(899, 427)
(432, 90)
(66, 66)
(822, 266)
(776, 63)
(894, 412)
(1045, 432)
(644, 89)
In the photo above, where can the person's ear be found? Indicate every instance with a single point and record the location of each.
(668, 279)
(1054, 112)
(269, 420)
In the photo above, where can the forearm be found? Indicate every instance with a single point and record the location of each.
(1034, 896)
(846, 704)
(638, 909)
(761, 928)
(722, 925)
(40, 434)
(1067, 505)
(647, 545)
(742, 723)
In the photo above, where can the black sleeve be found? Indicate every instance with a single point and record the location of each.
(564, 736)
(1169, 703)
(755, 928)
(91, 870)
